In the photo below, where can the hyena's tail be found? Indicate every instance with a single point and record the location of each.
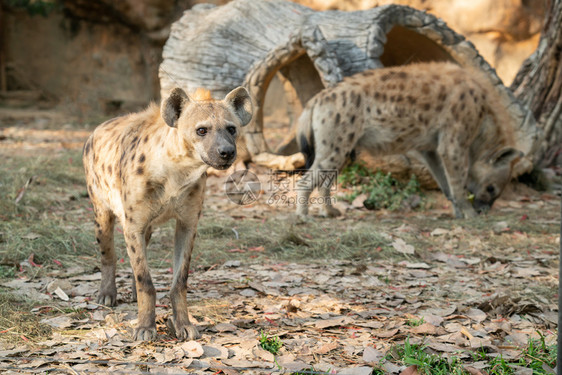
(305, 136)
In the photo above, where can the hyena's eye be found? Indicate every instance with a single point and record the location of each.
(231, 129)
(490, 189)
(201, 131)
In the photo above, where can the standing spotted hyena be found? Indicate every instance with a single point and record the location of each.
(149, 167)
(450, 117)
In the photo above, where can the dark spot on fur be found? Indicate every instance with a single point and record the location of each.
(344, 98)
(133, 250)
(140, 279)
(461, 97)
(352, 119)
(110, 170)
(337, 149)
(139, 261)
(399, 98)
(145, 139)
(140, 170)
(350, 136)
(402, 75)
(378, 111)
(425, 88)
(358, 102)
(376, 95)
(368, 109)
(87, 148)
(427, 106)
(333, 96)
(439, 108)
(386, 77)
(323, 141)
(142, 158)
(337, 119)
(98, 240)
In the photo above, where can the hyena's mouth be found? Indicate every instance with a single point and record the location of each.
(220, 165)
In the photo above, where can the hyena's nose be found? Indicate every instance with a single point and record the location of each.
(226, 152)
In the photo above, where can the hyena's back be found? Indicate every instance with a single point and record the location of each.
(392, 111)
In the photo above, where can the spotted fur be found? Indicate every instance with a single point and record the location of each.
(450, 117)
(149, 167)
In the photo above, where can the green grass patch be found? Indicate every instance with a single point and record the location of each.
(383, 191)
(537, 355)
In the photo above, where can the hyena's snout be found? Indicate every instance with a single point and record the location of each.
(482, 206)
(223, 153)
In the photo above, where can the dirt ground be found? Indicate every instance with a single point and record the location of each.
(342, 295)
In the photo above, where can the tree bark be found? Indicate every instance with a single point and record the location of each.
(538, 85)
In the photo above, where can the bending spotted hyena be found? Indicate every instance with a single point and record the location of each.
(149, 167)
(450, 117)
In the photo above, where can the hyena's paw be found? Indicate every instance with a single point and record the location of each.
(183, 332)
(330, 211)
(107, 297)
(145, 333)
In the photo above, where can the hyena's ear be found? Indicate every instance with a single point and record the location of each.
(239, 100)
(172, 107)
(506, 156)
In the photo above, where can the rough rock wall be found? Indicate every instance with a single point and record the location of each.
(91, 59)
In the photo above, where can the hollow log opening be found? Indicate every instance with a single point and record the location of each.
(404, 46)
(298, 81)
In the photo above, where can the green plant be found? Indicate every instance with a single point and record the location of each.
(382, 190)
(412, 322)
(538, 353)
(534, 356)
(429, 364)
(270, 343)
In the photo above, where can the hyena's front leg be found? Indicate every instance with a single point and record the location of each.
(147, 236)
(186, 230)
(146, 294)
(105, 222)
(455, 162)
(184, 241)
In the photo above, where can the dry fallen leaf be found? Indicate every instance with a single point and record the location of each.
(402, 247)
(192, 349)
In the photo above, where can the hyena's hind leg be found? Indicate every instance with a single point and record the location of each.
(323, 176)
(105, 222)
